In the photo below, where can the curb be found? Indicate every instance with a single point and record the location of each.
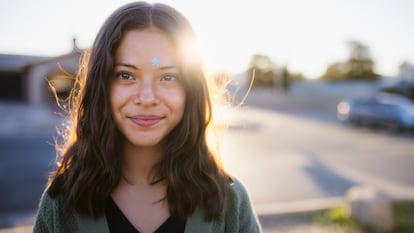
(298, 207)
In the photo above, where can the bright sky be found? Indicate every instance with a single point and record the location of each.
(302, 34)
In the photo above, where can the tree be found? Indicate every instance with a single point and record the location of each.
(359, 65)
(263, 69)
(335, 72)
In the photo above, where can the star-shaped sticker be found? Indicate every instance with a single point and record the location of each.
(155, 62)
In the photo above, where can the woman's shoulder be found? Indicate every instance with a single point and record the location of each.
(48, 202)
(238, 212)
(51, 216)
(237, 197)
(49, 206)
(236, 189)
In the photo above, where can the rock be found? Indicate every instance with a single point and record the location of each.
(370, 208)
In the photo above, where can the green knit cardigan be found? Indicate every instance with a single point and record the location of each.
(237, 216)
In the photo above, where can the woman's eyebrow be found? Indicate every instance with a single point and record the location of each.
(168, 67)
(137, 68)
(126, 65)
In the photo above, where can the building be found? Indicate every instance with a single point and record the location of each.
(12, 75)
(56, 72)
(29, 79)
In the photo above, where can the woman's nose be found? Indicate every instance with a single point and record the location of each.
(146, 94)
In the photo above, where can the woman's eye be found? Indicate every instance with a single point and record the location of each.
(169, 78)
(124, 76)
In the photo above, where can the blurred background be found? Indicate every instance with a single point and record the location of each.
(322, 95)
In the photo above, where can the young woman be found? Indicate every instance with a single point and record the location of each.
(136, 158)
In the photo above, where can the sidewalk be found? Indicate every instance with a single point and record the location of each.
(295, 223)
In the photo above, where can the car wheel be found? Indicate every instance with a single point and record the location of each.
(393, 126)
(354, 121)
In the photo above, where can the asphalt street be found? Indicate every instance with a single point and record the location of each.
(284, 160)
(25, 164)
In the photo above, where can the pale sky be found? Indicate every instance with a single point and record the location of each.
(305, 35)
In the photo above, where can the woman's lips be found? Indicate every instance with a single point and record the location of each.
(146, 121)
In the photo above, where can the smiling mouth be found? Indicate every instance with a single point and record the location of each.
(146, 121)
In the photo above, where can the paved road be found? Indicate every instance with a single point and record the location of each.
(286, 159)
(281, 159)
(24, 167)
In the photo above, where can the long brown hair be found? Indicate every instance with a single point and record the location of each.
(91, 163)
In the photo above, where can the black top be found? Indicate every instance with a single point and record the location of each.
(117, 222)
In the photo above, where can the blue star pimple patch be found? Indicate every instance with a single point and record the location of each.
(155, 62)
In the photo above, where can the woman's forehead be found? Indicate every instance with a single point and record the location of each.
(148, 47)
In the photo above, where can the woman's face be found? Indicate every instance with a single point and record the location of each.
(146, 93)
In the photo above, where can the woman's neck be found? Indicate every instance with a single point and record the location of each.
(138, 163)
